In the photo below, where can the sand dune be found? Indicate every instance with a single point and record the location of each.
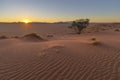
(32, 37)
(66, 57)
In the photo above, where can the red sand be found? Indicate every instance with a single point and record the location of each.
(66, 57)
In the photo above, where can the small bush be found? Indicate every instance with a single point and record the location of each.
(79, 25)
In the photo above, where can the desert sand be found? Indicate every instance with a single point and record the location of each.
(61, 54)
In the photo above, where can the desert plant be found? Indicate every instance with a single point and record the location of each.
(80, 24)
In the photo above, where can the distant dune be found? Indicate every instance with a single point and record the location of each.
(64, 56)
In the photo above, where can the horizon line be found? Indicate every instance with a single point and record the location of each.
(59, 22)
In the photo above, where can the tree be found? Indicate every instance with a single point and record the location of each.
(80, 24)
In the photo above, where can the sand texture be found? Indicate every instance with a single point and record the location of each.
(63, 57)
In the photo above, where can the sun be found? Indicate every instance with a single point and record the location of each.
(26, 21)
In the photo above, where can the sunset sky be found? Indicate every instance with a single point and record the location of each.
(59, 10)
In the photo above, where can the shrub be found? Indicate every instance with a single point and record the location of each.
(80, 24)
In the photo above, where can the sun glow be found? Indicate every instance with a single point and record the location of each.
(26, 21)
